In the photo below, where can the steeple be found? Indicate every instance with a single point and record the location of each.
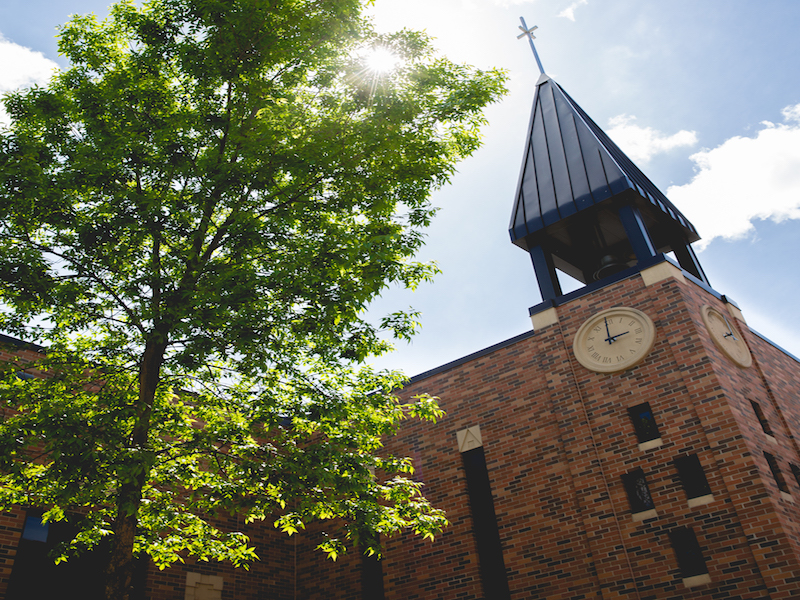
(582, 206)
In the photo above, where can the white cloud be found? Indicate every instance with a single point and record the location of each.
(20, 66)
(642, 143)
(569, 12)
(744, 179)
(791, 113)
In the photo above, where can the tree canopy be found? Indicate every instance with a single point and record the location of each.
(194, 218)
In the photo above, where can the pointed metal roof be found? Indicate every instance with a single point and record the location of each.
(571, 165)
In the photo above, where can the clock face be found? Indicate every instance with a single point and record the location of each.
(614, 340)
(726, 337)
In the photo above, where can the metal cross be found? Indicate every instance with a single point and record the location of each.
(529, 34)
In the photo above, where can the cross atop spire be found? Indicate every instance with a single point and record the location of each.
(529, 34)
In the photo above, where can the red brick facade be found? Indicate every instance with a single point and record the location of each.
(557, 439)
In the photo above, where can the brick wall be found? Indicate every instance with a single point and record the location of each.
(557, 439)
(11, 524)
(273, 577)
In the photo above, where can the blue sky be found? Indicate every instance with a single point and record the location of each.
(704, 95)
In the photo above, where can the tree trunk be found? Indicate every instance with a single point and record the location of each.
(119, 571)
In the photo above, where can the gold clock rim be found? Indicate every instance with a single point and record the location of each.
(582, 355)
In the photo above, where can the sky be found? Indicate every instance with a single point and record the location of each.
(703, 95)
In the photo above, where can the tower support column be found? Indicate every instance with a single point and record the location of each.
(687, 259)
(545, 270)
(637, 232)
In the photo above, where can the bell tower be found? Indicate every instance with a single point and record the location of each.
(582, 207)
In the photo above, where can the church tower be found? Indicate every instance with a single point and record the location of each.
(641, 442)
(583, 207)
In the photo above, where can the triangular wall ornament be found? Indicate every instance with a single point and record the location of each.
(469, 438)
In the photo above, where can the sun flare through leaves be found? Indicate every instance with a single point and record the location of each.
(381, 60)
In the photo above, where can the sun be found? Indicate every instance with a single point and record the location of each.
(381, 60)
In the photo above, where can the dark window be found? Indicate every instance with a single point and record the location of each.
(644, 422)
(776, 472)
(638, 493)
(688, 552)
(796, 473)
(487, 535)
(35, 574)
(371, 578)
(692, 475)
(35, 530)
(761, 418)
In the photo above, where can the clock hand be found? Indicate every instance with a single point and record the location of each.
(608, 339)
(614, 337)
(730, 329)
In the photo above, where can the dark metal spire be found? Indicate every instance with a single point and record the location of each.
(571, 164)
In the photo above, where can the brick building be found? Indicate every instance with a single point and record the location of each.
(557, 444)
(639, 443)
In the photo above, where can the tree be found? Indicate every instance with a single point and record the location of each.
(194, 218)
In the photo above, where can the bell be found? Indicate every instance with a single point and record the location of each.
(609, 265)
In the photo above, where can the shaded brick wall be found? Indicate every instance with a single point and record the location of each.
(272, 577)
(320, 578)
(11, 524)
